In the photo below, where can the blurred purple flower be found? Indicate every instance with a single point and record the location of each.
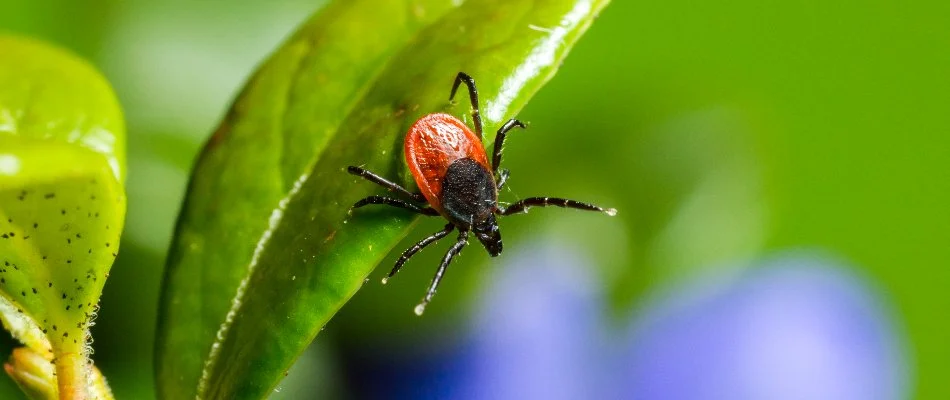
(796, 327)
(539, 333)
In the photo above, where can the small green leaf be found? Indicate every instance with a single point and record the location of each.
(264, 254)
(33, 373)
(62, 204)
(36, 376)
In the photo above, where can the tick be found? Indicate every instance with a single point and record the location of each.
(455, 180)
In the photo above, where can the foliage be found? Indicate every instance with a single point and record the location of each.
(264, 254)
(62, 208)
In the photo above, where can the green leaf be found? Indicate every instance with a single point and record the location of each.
(62, 203)
(264, 254)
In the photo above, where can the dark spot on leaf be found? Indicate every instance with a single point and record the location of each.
(78, 236)
(90, 251)
(69, 241)
(93, 197)
(64, 295)
(5, 236)
(67, 307)
(12, 234)
(35, 225)
(107, 244)
(26, 237)
(63, 211)
(44, 330)
(49, 195)
(69, 261)
(49, 284)
(54, 327)
(3, 280)
(23, 293)
(65, 334)
(34, 290)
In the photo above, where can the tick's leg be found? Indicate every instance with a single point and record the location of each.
(395, 203)
(500, 141)
(472, 95)
(454, 251)
(502, 178)
(384, 183)
(406, 255)
(525, 204)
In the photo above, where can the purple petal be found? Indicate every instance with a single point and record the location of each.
(797, 327)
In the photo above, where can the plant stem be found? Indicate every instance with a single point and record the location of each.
(71, 376)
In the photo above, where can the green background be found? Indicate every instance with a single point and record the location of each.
(719, 131)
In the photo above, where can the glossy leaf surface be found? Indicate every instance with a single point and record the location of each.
(62, 203)
(264, 254)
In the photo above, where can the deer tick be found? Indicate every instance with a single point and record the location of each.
(451, 169)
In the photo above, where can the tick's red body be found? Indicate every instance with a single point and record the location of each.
(433, 143)
(452, 171)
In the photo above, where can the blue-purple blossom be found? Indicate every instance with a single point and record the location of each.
(795, 326)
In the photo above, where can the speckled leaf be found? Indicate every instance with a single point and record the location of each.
(62, 203)
(263, 255)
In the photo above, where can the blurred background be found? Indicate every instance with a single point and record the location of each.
(781, 171)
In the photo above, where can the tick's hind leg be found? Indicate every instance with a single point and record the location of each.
(525, 204)
(454, 251)
(389, 201)
(365, 174)
(416, 248)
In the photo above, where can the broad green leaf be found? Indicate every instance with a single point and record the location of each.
(264, 254)
(62, 204)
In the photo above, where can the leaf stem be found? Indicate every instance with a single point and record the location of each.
(72, 375)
